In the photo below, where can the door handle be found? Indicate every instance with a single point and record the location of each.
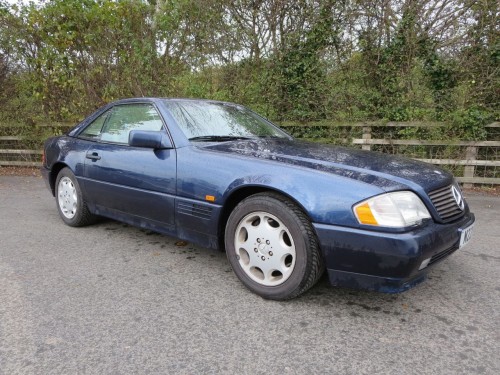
(94, 156)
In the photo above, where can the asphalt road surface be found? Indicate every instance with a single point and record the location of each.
(114, 299)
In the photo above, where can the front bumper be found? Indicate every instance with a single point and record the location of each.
(386, 262)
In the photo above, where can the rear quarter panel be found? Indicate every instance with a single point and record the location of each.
(65, 151)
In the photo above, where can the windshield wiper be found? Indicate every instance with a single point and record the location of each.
(217, 138)
(271, 137)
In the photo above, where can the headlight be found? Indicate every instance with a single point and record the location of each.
(397, 210)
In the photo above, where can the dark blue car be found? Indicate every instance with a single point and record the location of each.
(221, 176)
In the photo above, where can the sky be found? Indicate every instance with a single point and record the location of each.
(19, 1)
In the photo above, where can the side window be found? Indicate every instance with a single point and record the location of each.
(94, 129)
(124, 118)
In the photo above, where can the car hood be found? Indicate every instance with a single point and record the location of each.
(386, 171)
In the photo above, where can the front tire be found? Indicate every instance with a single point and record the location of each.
(70, 203)
(272, 247)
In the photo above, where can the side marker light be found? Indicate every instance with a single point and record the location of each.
(365, 214)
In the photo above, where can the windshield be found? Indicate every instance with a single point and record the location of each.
(208, 121)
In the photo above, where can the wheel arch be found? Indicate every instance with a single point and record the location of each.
(54, 171)
(238, 195)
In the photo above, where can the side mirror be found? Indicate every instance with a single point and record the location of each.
(149, 139)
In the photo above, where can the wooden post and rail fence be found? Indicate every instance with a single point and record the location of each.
(470, 155)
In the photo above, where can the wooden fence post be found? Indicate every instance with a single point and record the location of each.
(367, 134)
(470, 155)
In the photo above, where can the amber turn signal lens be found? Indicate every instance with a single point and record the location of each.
(365, 215)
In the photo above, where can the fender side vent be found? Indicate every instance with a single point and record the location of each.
(193, 209)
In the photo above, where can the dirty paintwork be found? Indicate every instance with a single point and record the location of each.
(166, 190)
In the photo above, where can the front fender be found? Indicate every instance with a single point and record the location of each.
(326, 198)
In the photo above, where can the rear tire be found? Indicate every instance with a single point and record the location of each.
(272, 247)
(70, 203)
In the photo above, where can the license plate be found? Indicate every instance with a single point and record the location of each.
(465, 235)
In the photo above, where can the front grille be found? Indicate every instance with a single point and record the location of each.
(445, 203)
(443, 254)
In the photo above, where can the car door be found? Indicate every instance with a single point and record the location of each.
(121, 181)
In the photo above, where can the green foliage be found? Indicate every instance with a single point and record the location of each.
(470, 123)
(300, 61)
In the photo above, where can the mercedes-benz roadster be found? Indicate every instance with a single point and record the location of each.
(219, 175)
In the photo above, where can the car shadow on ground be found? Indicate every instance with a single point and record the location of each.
(351, 301)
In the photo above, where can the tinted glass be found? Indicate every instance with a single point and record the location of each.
(203, 119)
(125, 118)
(94, 129)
